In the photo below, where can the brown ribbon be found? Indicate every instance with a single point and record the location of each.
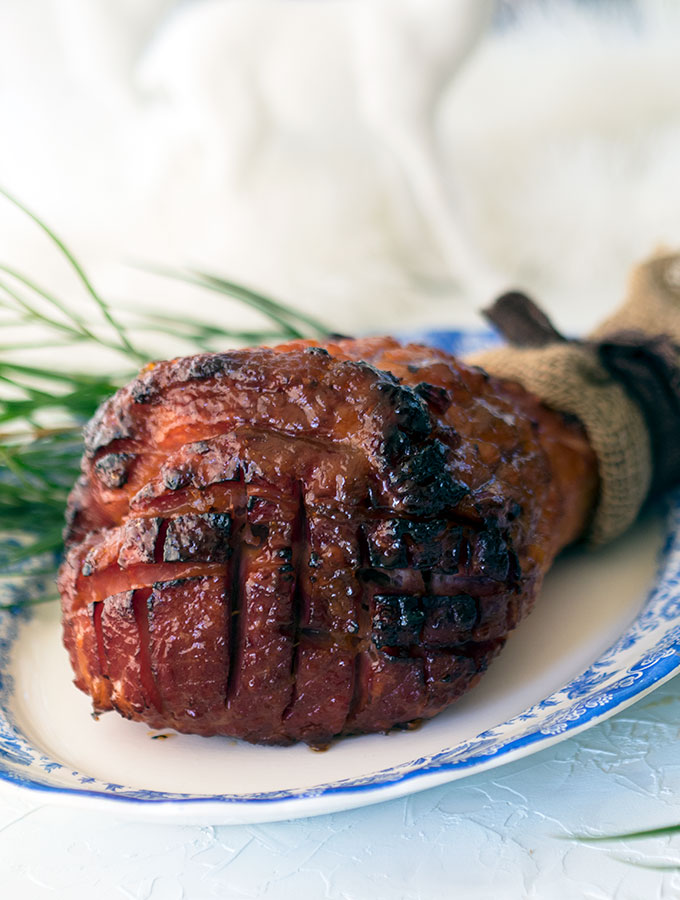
(521, 322)
(647, 367)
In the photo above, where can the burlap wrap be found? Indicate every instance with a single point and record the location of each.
(569, 376)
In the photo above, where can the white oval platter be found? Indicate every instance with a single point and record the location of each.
(605, 632)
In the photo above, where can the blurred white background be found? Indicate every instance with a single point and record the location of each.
(387, 164)
(256, 137)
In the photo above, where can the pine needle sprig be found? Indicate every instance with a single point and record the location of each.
(644, 834)
(43, 408)
(292, 323)
(85, 281)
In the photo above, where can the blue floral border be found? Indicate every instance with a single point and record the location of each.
(646, 654)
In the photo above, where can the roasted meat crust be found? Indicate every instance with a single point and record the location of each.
(295, 543)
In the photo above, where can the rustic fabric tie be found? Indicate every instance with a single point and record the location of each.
(622, 383)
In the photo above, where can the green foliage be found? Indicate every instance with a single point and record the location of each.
(44, 407)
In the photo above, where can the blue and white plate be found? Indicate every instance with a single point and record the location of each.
(605, 632)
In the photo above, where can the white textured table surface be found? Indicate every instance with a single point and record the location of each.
(506, 834)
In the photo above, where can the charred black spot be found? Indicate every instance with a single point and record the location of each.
(201, 367)
(286, 567)
(412, 414)
(109, 424)
(436, 397)
(285, 553)
(397, 620)
(425, 532)
(458, 613)
(113, 469)
(143, 391)
(139, 542)
(314, 560)
(425, 466)
(452, 550)
(433, 544)
(175, 479)
(424, 542)
(515, 511)
(173, 583)
(198, 537)
(396, 446)
(515, 569)
(383, 380)
(377, 576)
(200, 447)
(429, 472)
(491, 554)
(317, 351)
(221, 522)
(259, 530)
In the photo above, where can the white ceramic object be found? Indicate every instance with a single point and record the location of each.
(605, 631)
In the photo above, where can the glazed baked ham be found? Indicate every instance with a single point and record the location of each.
(301, 542)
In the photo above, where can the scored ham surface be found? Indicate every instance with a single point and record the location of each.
(300, 542)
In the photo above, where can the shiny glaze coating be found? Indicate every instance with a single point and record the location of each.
(295, 543)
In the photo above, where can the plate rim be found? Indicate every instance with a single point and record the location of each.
(282, 808)
(415, 774)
